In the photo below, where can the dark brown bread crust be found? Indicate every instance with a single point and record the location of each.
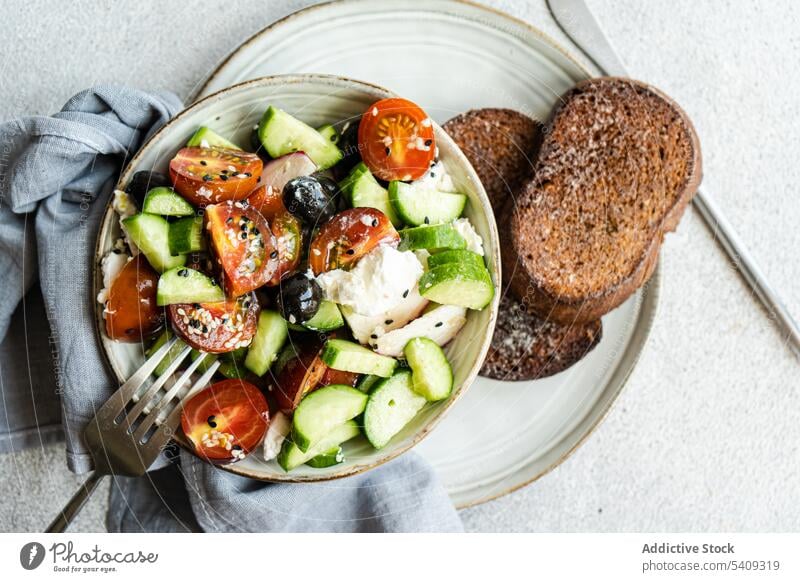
(618, 164)
(526, 347)
(500, 144)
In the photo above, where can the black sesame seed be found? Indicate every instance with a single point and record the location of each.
(211, 421)
(374, 336)
(389, 322)
(206, 178)
(351, 252)
(243, 236)
(229, 220)
(224, 171)
(439, 324)
(428, 142)
(117, 251)
(247, 174)
(374, 222)
(236, 447)
(243, 226)
(255, 231)
(183, 273)
(203, 163)
(405, 293)
(223, 177)
(427, 220)
(433, 174)
(214, 282)
(273, 255)
(196, 305)
(388, 152)
(205, 329)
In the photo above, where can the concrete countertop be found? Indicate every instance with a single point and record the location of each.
(705, 436)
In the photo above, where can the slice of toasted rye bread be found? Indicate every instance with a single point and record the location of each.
(618, 163)
(499, 144)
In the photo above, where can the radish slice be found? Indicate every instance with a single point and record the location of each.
(280, 170)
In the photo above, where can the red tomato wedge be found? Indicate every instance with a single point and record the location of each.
(332, 376)
(289, 242)
(268, 198)
(396, 140)
(131, 312)
(216, 327)
(226, 421)
(243, 244)
(211, 175)
(348, 236)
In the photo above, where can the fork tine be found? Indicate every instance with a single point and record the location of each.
(172, 419)
(116, 403)
(145, 398)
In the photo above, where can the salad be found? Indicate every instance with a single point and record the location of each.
(320, 275)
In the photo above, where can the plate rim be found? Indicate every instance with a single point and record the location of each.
(649, 294)
(343, 82)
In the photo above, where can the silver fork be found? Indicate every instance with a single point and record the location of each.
(129, 431)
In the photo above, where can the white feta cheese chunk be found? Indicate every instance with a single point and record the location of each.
(440, 325)
(124, 206)
(110, 266)
(367, 328)
(437, 178)
(376, 284)
(279, 427)
(474, 240)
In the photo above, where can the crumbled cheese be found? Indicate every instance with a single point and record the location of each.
(466, 230)
(124, 206)
(377, 282)
(279, 428)
(437, 178)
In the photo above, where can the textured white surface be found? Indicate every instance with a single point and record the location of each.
(705, 436)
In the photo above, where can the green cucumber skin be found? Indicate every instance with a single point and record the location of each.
(270, 336)
(172, 353)
(448, 283)
(212, 138)
(456, 256)
(166, 202)
(432, 238)
(291, 456)
(366, 383)
(150, 233)
(186, 285)
(323, 152)
(363, 190)
(431, 373)
(351, 357)
(329, 458)
(329, 132)
(186, 236)
(324, 409)
(391, 406)
(328, 318)
(429, 207)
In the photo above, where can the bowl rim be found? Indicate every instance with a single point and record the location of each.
(493, 246)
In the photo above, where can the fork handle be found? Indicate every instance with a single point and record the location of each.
(75, 504)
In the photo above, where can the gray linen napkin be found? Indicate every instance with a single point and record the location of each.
(56, 174)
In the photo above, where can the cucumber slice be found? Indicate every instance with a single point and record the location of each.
(351, 357)
(329, 458)
(362, 189)
(392, 404)
(172, 353)
(366, 383)
(458, 284)
(291, 456)
(432, 376)
(211, 139)
(460, 256)
(270, 336)
(186, 235)
(206, 363)
(432, 238)
(322, 411)
(150, 233)
(282, 134)
(185, 285)
(329, 132)
(166, 202)
(232, 364)
(421, 205)
(327, 318)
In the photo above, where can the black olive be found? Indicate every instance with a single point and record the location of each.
(307, 199)
(333, 191)
(300, 297)
(348, 143)
(142, 182)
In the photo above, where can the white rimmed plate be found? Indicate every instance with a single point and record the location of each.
(451, 56)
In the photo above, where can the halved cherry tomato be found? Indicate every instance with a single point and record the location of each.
(332, 376)
(348, 236)
(210, 175)
(396, 140)
(216, 327)
(289, 241)
(131, 312)
(299, 376)
(268, 201)
(226, 421)
(243, 244)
